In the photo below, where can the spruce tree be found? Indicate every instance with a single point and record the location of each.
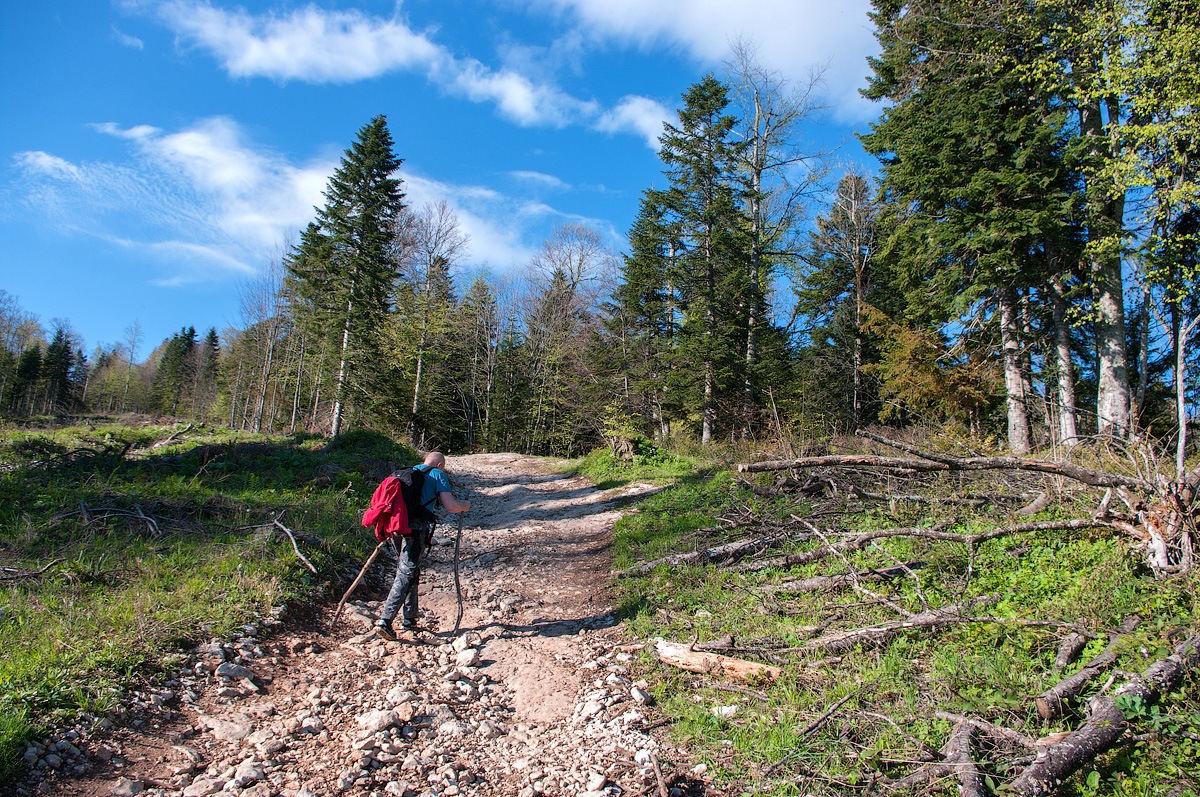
(343, 266)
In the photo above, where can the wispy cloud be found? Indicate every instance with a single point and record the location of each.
(205, 203)
(317, 45)
(201, 202)
(540, 179)
(125, 40)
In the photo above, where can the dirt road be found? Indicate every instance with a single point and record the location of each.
(533, 696)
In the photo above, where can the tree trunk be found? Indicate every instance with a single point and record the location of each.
(1181, 398)
(1067, 432)
(1014, 381)
(1105, 217)
(340, 386)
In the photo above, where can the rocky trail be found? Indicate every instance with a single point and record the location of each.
(533, 696)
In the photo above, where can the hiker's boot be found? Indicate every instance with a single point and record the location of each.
(383, 630)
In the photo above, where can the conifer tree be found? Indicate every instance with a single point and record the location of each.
(703, 207)
(343, 265)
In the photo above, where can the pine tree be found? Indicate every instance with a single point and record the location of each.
(343, 265)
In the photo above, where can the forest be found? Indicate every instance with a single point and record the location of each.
(1021, 268)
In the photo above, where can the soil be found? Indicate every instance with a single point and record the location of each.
(534, 694)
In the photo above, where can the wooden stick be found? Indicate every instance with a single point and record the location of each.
(31, 574)
(683, 657)
(358, 578)
(295, 547)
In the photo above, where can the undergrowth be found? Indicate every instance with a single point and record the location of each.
(762, 739)
(144, 549)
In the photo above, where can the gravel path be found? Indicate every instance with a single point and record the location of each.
(533, 696)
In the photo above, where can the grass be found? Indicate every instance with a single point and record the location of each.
(153, 549)
(985, 670)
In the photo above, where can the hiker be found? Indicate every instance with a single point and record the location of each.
(408, 568)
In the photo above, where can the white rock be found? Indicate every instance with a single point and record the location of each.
(230, 728)
(203, 787)
(725, 711)
(641, 696)
(467, 658)
(376, 721)
(124, 787)
(591, 709)
(596, 781)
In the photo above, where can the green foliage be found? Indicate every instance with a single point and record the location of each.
(980, 669)
(121, 594)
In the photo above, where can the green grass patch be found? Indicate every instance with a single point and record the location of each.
(988, 670)
(150, 548)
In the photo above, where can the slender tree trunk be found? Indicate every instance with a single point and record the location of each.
(1181, 340)
(268, 366)
(1014, 382)
(340, 385)
(1067, 432)
(296, 394)
(1143, 357)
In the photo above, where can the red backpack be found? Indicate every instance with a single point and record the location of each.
(387, 513)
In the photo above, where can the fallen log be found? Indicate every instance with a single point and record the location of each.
(1106, 723)
(1057, 700)
(731, 551)
(685, 658)
(1068, 650)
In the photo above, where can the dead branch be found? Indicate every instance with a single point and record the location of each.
(858, 541)
(685, 658)
(1094, 478)
(1056, 701)
(1036, 505)
(988, 729)
(839, 580)
(731, 551)
(174, 436)
(151, 522)
(903, 464)
(957, 760)
(819, 721)
(1105, 724)
(1068, 650)
(295, 547)
(14, 575)
(871, 636)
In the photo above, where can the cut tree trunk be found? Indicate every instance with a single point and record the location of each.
(1105, 724)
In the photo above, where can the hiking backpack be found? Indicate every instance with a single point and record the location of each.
(412, 485)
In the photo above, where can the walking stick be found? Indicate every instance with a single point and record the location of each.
(457, 586)
(358, 578)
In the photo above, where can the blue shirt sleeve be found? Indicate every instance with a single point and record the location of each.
(436, 482)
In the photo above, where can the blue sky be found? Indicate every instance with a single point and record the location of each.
(156, 155)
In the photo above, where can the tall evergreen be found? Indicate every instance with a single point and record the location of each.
(343, 265)
(704, 209)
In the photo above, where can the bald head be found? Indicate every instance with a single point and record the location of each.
(435, 459)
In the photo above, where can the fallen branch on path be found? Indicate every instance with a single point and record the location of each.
(685, 658)
(1106, 723)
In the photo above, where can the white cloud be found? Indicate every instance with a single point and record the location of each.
(310, 44)
(201, 202)
(328, 46)
(639, 115)
(540, 179)
(792, 36)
